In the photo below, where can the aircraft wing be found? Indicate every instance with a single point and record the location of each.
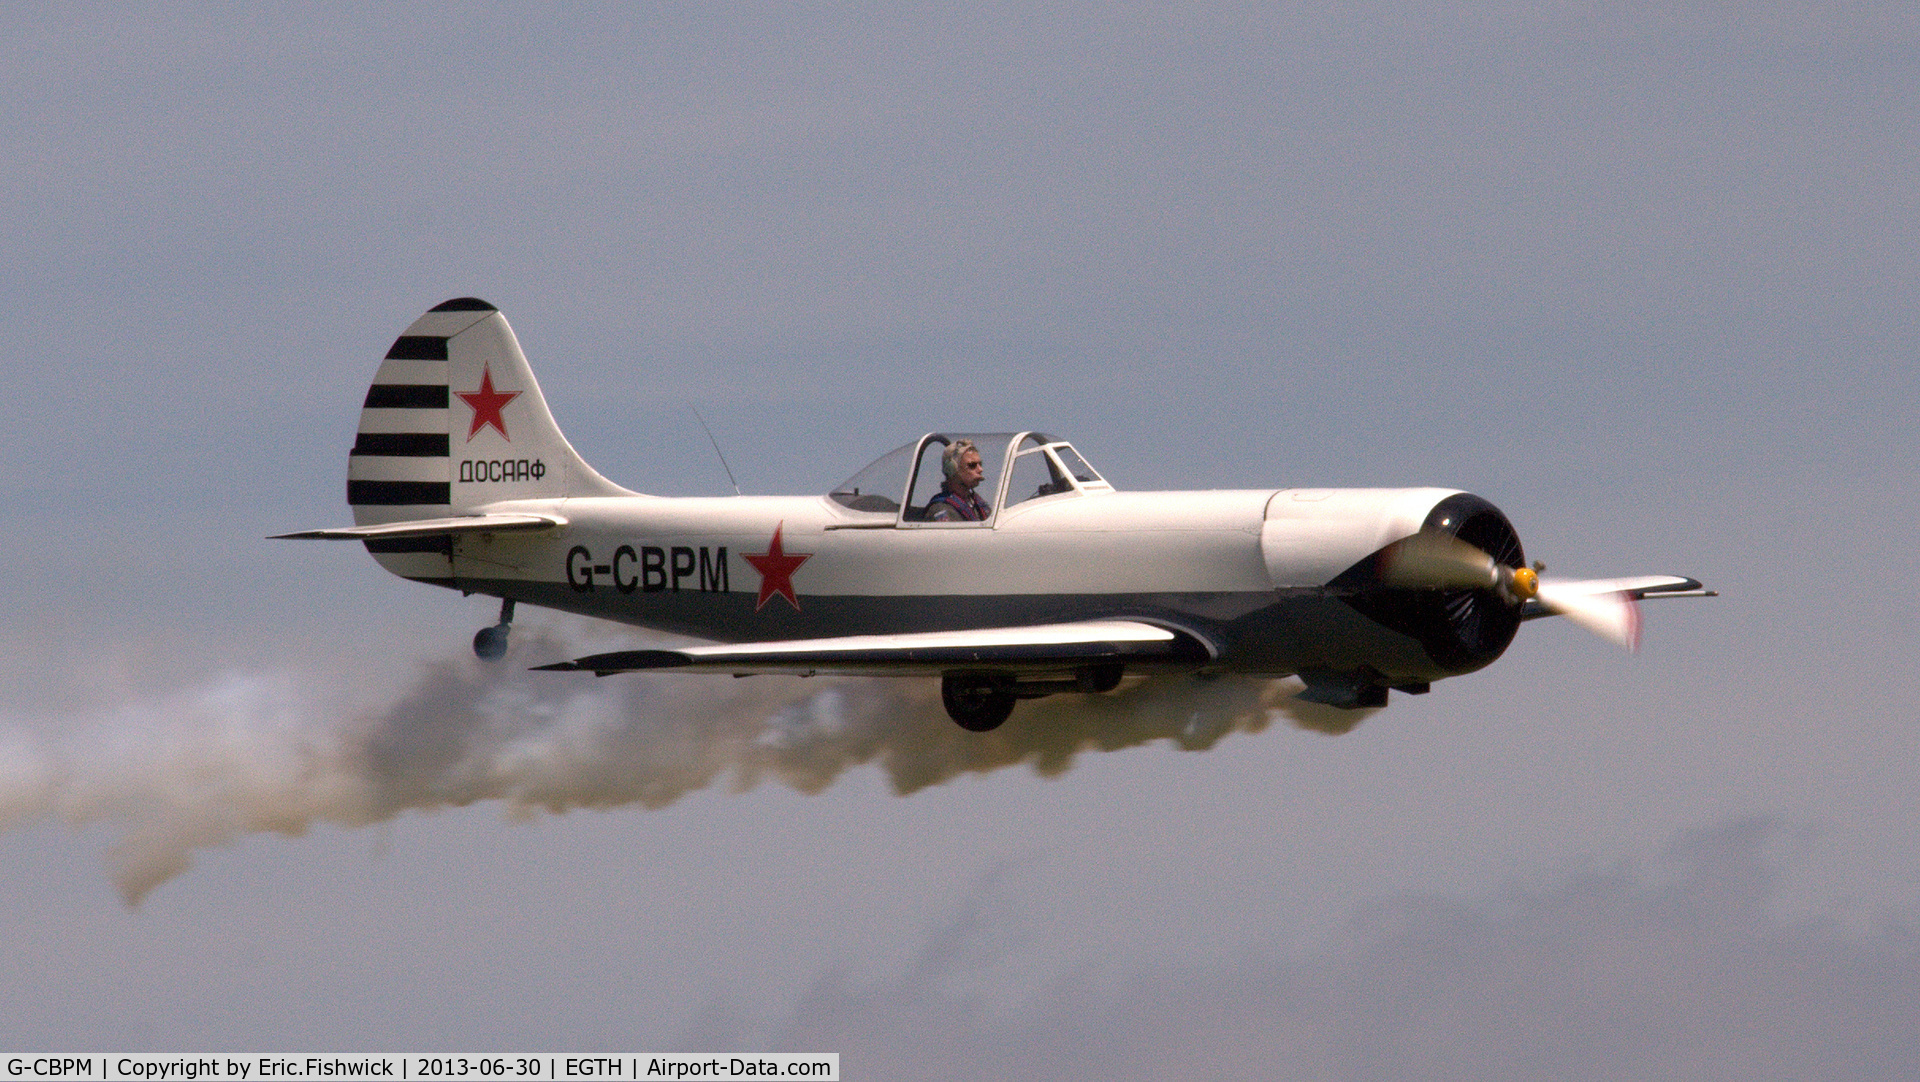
(427, 527)
(1040, 648)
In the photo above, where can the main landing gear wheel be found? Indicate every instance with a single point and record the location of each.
(978, 702)
(1100, 678)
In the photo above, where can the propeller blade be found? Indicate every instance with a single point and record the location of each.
(1431, 559)
(1610, 614)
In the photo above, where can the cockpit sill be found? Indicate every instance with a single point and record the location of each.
(1020, 467)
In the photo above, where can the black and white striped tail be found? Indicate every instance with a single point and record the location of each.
(454, 424)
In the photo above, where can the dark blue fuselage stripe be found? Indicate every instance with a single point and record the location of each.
(403, 396)
(1257, 631)
(395, 493)
(402, 444)
(418, 347)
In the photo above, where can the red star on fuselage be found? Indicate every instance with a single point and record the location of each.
(487, 404)
(776, 569)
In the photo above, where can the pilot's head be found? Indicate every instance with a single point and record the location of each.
(961, 464)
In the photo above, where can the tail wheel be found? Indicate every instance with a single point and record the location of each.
(978, 702)
(490, 643)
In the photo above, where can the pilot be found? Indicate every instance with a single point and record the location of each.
(957, 502)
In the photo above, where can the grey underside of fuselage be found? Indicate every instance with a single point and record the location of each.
(1269, 633)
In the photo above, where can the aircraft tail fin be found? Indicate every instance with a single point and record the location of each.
(454, 423)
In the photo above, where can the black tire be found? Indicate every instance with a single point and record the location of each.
(976, 702)
(490, 643)
(1100, 678)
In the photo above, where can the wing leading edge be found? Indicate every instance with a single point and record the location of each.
(1040, 648)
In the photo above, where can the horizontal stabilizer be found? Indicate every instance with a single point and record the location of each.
(427, 527)
(1009, 649)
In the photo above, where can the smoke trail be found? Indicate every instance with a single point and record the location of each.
(256, 753)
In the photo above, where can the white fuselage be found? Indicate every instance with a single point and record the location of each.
(1249, 568)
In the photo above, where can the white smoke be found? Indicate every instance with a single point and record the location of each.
(251, 753)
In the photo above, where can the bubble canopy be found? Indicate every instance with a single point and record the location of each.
(1019, 467)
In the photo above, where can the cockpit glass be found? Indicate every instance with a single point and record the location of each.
(1041, 466)
(930, 479)
(877, 488)
(1035, 474)
(1077, 466)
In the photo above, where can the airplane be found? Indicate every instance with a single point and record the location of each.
(1058, 582)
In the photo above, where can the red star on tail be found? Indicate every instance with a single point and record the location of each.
(776, 569)
(487, 404)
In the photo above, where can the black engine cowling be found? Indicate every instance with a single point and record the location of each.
(1461, 630)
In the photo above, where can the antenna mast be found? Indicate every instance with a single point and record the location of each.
(716, 449)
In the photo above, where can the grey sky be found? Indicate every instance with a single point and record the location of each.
(1644, 276)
